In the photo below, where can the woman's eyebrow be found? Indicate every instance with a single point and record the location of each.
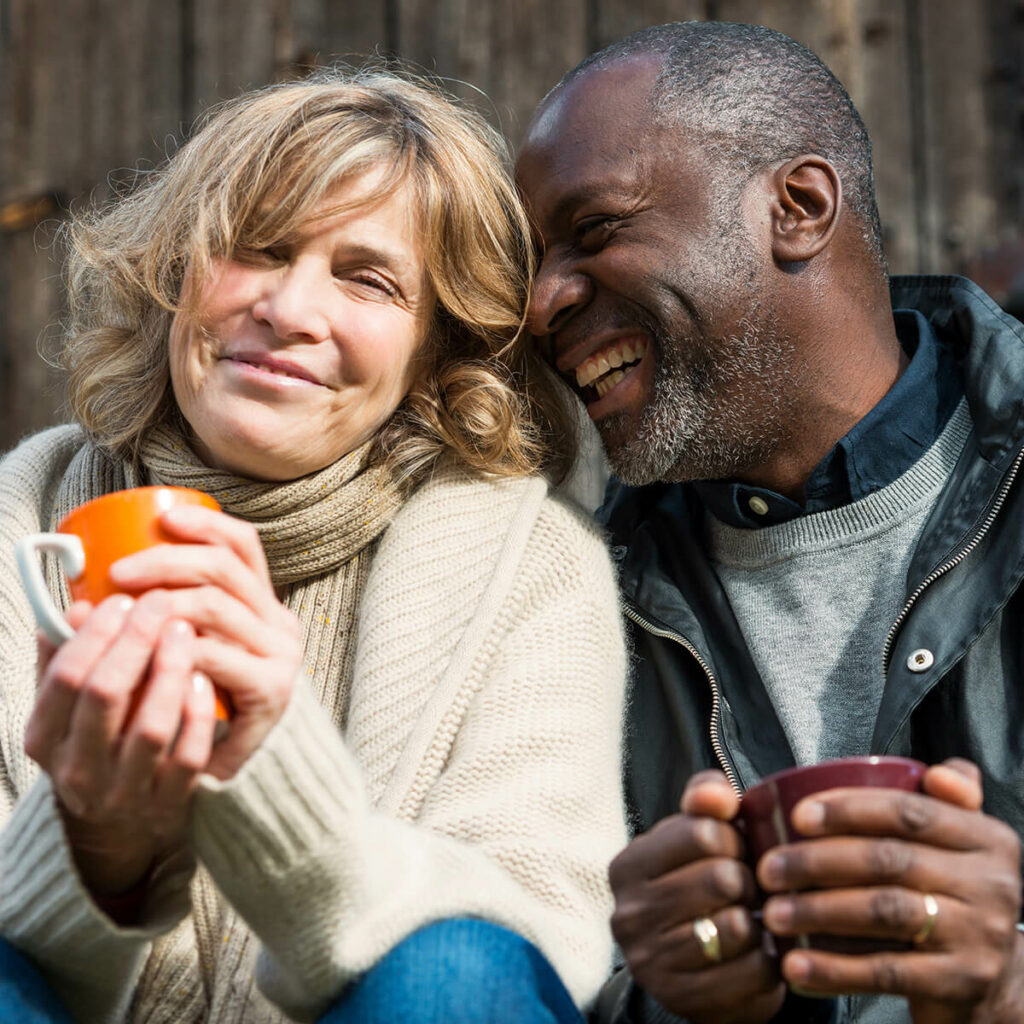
(376, 254)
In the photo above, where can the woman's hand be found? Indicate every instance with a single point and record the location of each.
(247, 642)
(122, 725)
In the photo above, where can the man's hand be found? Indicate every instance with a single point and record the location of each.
(687, 867)
(874, 856)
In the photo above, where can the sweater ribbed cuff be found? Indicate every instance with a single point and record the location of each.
(290, 794)
(47, 912)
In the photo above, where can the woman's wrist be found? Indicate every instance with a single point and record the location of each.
(111, 860)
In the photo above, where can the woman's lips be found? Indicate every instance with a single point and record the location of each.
(260, 366)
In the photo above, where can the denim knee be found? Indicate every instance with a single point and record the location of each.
(459, 971)
(25, 996)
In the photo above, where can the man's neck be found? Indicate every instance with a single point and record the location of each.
(839, 395)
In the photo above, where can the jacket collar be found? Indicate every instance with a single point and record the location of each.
(656, 533)
(988, 345)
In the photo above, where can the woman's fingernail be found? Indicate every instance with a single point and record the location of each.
(122, 568)
(199, 682)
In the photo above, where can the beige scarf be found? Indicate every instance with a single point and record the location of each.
(319, 534)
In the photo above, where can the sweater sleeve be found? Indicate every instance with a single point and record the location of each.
(45, 911)
(512, 815)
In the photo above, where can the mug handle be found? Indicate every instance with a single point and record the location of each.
(68, 548)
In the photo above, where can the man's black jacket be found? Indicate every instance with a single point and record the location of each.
(697, 700)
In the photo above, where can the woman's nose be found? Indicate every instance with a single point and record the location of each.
(291, 304)
(558, 292)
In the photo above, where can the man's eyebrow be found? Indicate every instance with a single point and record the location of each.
(583, 192)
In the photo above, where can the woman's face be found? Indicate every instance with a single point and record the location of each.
(301, 352)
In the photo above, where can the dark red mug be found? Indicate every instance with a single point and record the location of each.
(766, 812)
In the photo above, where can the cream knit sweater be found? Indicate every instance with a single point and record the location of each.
(478, 775)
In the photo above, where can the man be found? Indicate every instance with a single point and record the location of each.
(819, 522)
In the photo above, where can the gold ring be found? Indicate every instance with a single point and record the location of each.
(707, 936)
(931, 909)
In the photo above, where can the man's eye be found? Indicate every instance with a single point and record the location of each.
(593, 231)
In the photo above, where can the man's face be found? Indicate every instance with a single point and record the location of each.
(651, 298)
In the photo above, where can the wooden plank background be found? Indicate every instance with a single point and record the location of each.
(92, 89)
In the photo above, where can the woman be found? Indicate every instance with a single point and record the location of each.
(312, 314)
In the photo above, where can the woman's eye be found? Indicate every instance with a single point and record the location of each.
(371, 281)
(251, 255)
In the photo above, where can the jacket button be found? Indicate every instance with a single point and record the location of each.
(758, 505)
(921, 660)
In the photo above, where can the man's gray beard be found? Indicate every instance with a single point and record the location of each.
(702, 422)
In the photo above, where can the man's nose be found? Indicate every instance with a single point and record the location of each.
(559, 291)
(289, 304)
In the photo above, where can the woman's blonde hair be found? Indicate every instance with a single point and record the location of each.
(255, 170)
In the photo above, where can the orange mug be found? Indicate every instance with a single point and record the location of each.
(89, 540)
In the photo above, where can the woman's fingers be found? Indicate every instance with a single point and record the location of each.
(66, 674)
(154, 722)
(203, 525)
(193, 747)
(105, 700)
(213, 612)
(204, 534)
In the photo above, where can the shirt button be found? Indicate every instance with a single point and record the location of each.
(758, 505)
(920, 660)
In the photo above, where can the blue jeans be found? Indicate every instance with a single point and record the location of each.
(24, 996)
(458, 971)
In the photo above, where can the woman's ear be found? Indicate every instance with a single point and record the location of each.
(808, 198)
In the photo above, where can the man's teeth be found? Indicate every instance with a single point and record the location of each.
(605, 384)
(604, 362)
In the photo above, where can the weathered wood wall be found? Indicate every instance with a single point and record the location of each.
(90, 89)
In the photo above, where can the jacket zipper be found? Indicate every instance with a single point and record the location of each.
(954, 561)
(716, 700)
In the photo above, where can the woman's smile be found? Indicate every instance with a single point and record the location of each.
(262, 368)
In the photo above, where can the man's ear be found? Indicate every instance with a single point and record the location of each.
(808, 198)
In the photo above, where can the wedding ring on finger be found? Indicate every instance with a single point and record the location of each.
(707, 938)
(931, 910)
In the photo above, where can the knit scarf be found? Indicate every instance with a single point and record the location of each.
(319, 534)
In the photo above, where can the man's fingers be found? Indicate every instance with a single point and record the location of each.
(889, 912)
(674, 842)
(708, 794)
(661, 906)
(837, 862)
(719, 989)
(888, 812)
(932, 975)
(955, 781)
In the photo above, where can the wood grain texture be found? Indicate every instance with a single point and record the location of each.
(106, 87)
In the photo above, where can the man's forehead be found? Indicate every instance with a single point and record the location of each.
(589, 136)
(597, 96)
